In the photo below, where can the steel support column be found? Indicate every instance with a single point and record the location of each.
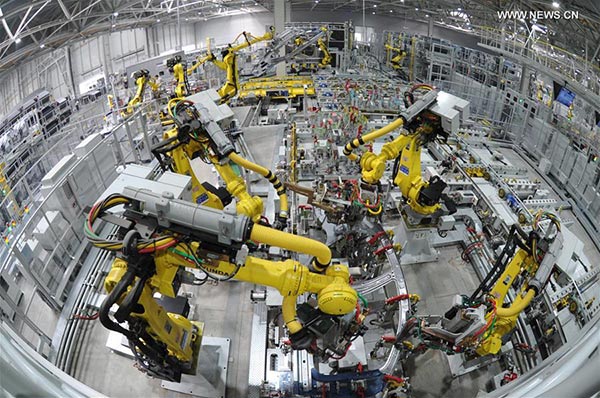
(279, 16)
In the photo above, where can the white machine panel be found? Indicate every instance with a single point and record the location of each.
(87, 145)
(58, 171)
(137, 170)
(125, 180)
(179, 181)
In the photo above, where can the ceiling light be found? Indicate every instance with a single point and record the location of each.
(158, 20)
(18, 40)
(373, 12)
(416, 8)
(426, 15)
(206, 19)
(115, 14)
(375, 6)
(113, 25)
(555, 4)
(391, 11)
(42, 45)
(459, 9)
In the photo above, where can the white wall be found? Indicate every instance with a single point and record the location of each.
(86, 59)
(167, 36)
(224, 30)
(127, 47)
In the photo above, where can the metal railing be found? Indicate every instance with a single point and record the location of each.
(48, 265)
(543, 53)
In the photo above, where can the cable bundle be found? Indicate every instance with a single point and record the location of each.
(143, 246)
(540, 215)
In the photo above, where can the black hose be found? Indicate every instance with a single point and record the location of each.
(502, 260)
(127, 305)
(111, 299)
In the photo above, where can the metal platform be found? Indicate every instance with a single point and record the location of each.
(211, 379)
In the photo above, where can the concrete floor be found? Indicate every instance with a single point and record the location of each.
(437, 283)
(226, 311)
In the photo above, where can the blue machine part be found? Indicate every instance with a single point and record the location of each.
(322, 85)
(202, 198)
(341, 385)
(512, 201)
(565, 96)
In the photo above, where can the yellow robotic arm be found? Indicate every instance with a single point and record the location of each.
(533, 266)
(212, 241)
(202, 60)
(178, 67)
(229, 64)
(199, 62)
(189, 140)
(422, 196)
(182, 148)
(179, 73)
(289, 277)
(407, 149)
(268, 174)
(142, 78)
(395, 60)
(481, 323)
(154, 86)
(326, 59)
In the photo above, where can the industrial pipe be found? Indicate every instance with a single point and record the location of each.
(288, 311)
(273, 237)
(517, 306)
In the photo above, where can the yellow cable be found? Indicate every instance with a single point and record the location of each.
(169, 104)
(375, 213)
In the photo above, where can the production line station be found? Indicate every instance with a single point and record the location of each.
(300, 198)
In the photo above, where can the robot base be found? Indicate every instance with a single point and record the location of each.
(416, 243)
(211, 375)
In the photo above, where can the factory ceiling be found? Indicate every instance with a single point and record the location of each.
(33, 27)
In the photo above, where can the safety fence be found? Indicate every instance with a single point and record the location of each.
(40, 258)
